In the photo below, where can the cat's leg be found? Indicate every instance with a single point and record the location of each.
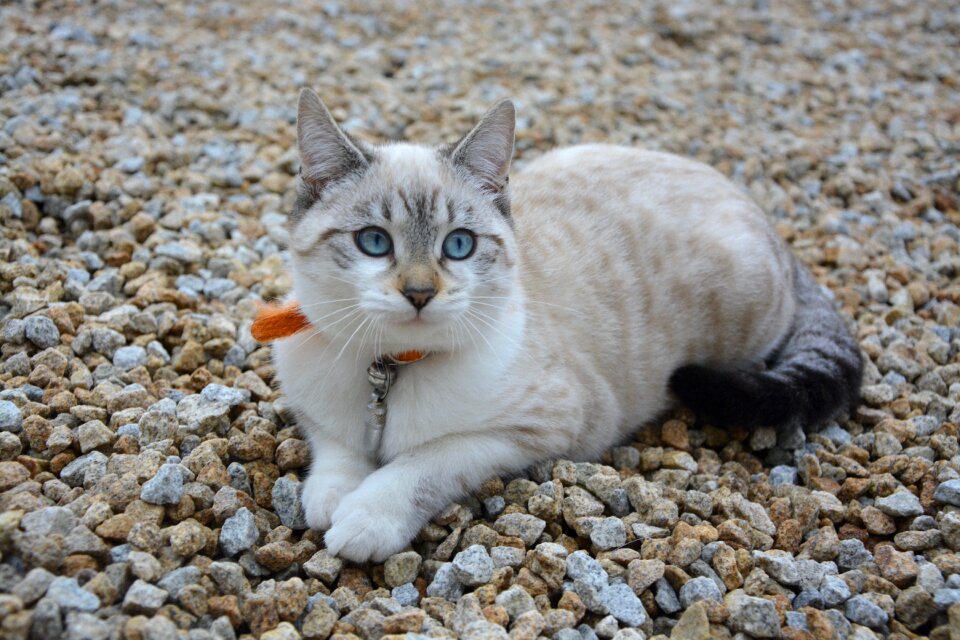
(389, 508)
(335, 471)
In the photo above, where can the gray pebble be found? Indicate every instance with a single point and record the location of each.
(862, 610)
(445, 584)
(228, 395)
(609, 533)
(754, 616)
(948, 492)
(107, 341)
(900, 504)
(666, 597)
(946, 598)
(41, 331)
(70, 596)
(698, 589)
(834, 590)
(580, 566)
(286, 503)
(143, 597)
(33, 586)
(406, 594)
(783, 474)
(516, 601)
(128, 358)
(47, 620)
(239, 532)
(86, 626)
(177, 579)
(11, 419)
(47, 521)
(623, 604)
(166, 487)
(473, 566)
(852, 554)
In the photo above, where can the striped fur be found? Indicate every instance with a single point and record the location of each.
(598, 273)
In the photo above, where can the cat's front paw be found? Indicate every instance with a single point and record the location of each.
(368, 532)
(322, 494)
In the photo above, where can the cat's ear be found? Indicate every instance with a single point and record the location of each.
(486, 151)
(326, 153)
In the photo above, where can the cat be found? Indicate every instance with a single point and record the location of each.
(557, 312)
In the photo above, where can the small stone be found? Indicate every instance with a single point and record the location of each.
(947, 492)
(900, 504)
(41, 331)
(48, 520)
(862, 610)
(698, 589)
(896, 566)
(914, 607)
(754, 616)
(623, 604)
(187, 538)
(693, 624)
(239, 532)
(445, 584)
(93, 435)
(607, 627)
(229, 577)
(143, 597)
(11, 474)
(666, 597)
(144, 566)
(283, 631)
(174, 581)
(11, 419)
(127, 358)
(406, 594)
(166, 487)
(286, 503)
(834, 590)
(526, 527)
(642, 574)
(473, 566)
(783, 475)
(516, 601)
(402, 568)
(323, 566)
(506, 557)
(609, 533)
(33, 586)
(276, 556)
(319, 622)
(70, 596)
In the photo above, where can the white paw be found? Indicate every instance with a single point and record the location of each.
(322, 494)
(366, 532)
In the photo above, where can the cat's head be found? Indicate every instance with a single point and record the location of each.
(402, 246)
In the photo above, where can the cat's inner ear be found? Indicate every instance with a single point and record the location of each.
(326, 153)
(486, 151)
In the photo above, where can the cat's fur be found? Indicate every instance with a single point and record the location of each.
(606, 278)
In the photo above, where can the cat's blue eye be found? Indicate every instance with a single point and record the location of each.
(374, 241)
(459, 244)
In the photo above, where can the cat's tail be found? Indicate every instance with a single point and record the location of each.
(812, 376)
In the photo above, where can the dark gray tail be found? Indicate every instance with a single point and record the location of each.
(814, 374)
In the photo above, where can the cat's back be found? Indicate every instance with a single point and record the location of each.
(588, 179)
(642, 238)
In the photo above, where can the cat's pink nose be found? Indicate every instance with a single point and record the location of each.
(419, 297)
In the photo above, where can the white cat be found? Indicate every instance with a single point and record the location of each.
(554, 319)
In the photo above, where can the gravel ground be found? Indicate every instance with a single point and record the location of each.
(149, 473)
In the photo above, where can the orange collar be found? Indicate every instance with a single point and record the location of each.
(276, 321)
